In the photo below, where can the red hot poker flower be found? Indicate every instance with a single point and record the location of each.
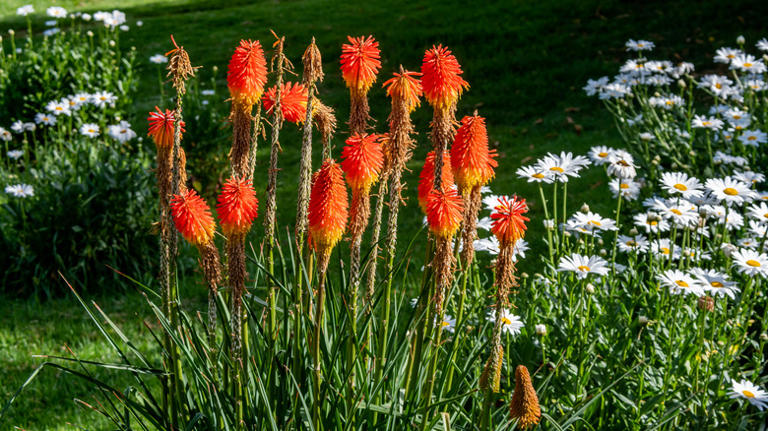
(441, 78)
(247, 73)
(192, 217)
(472, 161)
(161, 127)
(360, 62)
(328, 207)
(237, 206)
(508, 221)
(362, 161)
(293, 101)
(406, 87)
(427, 177)
(444, 212)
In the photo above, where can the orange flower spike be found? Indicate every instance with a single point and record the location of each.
(360, 62)
(508, 221)
(293, 101)
(237, 206)
(441, 80)
(473, 164)
(444, 212)
(427, 177)
(328, 207)
(192, 217)
(405, 86)
(161, 127)
(247, 73)
(362, 161)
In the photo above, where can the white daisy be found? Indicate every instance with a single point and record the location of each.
(15, 154)
(600, 155)
(729, 190)
(651, 222)
(749, 177)
(25, 10)
(208, 92)
(592, 222)
(622, 165)
(666, 101)
(5, 135)
(56, 12)
(58, 108)
(748, 242)
(702, 122)
(583, 265)
(595, 85)
(726, 55)
(758, 229)
(42, 118)
(121, 132)
(20, 190)
(158, 59)
(510, 324)
(750, 262)
(679, 282)
(639, 45)
(490, 245)
(629, 189)
(762, 44)
(563, 166)
(448, 323)
(103, 98)
(748, 63)
(90, 130)
(714, 282)
(535, 175)
(716, 84)
(753, 138)
(662, 248)
(721, 157)
(752, 393)
(755, 84)
(681, 184)
(484, 223)
(758, 211)
(636, 244)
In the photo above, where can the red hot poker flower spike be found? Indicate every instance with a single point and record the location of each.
(247, 73)
(362, 161)
(161, 127)
(406, 87)
(508, 221)
(237, 206)
(192, 217)
(328, 207)
(293, 101)
(472, 161)
(441, 78)
(360, 62)
(444, 212)
(427, 177)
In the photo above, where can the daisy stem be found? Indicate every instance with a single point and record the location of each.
(546, 218)
(616, 236)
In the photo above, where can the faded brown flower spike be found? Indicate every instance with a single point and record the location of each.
(525, 404)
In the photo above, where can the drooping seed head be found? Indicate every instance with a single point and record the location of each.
(193, 217)
(247, 73)
(237, 206)
(525, 404)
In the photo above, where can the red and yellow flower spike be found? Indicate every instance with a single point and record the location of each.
(427, 177)
(362, 161)
(237, 206)
(508, 221)
(247, 73)
(441, 78)
(472, 162)
(406, 87)
(360, 62)
(328, 207)
(161, 127)
(192, 217)
(444, 212)
(293, 101)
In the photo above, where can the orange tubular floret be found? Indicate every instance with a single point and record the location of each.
(406, 87)
(293, 101)
(247, 73)
(328, 207)
(508, 221)
(441, 78)
(237, 206)
(161, 127)
(444, 212)
(472, 161)
(360, 62)
(427, 177)
(192, 217)
(362, 161)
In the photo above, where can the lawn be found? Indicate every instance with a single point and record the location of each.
(526, 63)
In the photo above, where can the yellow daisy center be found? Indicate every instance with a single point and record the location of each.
(753, 263)
(623, 186)
(594, 222)
(748, 394)
(730, 191)
(680, 187)
(716, 284)
(631, 243)
(653, 222)
(506, 321)
(445, 323)
(676, 211)
(752, 138)
(747, 64)
(681, 283)
(719, 85)
(664, 250)
(583, 268)
(603, 154)
(538, 175)
(556, 169)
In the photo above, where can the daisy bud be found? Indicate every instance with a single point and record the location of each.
(584, 208)
(603, 252)
(215, 68)
(567, 234)
(633, 232)
(549, 224)
(524, 275)
(293, 101)
(590, 288)
(525, 404)
(89, 33)
(247, 73)
(681, 83)
(741, 40)
(237, 206)
(763, 337)
(112, 43)
(600, 242)
(541, 330)
(642, 320)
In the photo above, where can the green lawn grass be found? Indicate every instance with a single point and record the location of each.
(526, 63)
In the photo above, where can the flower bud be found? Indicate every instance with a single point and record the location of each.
(600, 242)
(541, 330)
(633, 231)
(549, 224)
(603, 252)
(112, 43)
(11, 32)
(741, 40)
(763, 337)
(590, 288)
(681, 83)
(89, 33)
(584, 208)
(642, 320)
